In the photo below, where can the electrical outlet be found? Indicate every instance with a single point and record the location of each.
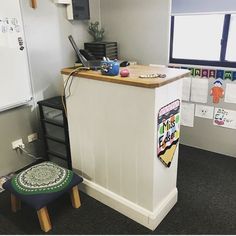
(32, 137)
(18, 143)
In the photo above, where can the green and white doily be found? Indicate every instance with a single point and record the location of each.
(45, 177)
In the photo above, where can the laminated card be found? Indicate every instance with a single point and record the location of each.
(186, 89)
(230, 93)
(199, 90)
(187, 114)
(225, 118)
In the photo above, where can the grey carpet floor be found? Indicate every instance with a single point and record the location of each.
(206, 205)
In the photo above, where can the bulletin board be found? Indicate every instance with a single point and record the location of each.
(15, 89)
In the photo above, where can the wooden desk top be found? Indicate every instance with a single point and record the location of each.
(133, 79)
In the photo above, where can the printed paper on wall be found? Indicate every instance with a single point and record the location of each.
(225, 118)
(212, 74)
(197, 72)
(230, 93)
(199, 90)
(9, 32)
(203, 111)
(187, 114)
(217, 91)
(205, 73)
(186, 88)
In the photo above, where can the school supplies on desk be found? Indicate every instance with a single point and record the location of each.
(109, 67)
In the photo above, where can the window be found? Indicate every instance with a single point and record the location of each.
(231, 46)
(204, 40)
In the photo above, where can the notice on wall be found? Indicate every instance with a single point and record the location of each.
(186, 88)
(187, 114)
(230, 93)
(217, 91)
(203, 111)
(225, 118)
(9, 32)
(199, 90)
(168, 132)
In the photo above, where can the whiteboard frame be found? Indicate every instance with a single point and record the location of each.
(29, 80)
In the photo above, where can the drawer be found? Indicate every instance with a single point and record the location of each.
(55, 131)
(52, 114)
(57, 148)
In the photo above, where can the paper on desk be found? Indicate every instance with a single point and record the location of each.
(230, 93)
(187, 114)
(204, 111)
(225, 118)
(186, 88)
(199, 90)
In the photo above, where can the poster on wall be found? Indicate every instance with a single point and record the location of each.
(10, 31)
(199, 90)
(186, 87)
(225, 118)
(187, 114)
(168, 121)
(230, 95)
(206, 112)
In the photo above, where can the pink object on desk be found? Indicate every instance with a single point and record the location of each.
(124, 73)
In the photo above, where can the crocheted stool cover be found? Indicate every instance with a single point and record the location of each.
(41, 184)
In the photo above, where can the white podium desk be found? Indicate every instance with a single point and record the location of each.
(124, 135)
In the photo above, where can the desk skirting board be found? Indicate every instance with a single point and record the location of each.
(144, 217)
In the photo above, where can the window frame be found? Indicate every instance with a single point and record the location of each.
(224, 40)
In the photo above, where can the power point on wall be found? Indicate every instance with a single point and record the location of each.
(18, 144)
(32, 137)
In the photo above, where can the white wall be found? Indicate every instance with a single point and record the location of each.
(46, 29)
(140, 27)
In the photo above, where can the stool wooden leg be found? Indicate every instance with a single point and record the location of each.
(75, 198)
(44, 219)
(15, 203)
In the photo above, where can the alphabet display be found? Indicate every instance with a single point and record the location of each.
(209, 73)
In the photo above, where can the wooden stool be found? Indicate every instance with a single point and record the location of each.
(41, 184)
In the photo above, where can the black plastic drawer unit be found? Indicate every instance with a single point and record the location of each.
(55, 131)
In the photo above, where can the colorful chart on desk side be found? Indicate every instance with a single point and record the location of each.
(168, 132)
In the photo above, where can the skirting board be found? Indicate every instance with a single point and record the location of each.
(144, 217)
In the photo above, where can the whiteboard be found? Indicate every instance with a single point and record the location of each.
(15, 86)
